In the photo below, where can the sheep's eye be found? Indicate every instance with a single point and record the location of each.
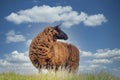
(51, 31)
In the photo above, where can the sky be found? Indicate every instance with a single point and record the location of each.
(93, 26)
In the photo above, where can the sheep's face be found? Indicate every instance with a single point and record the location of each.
(56, 33)
(60, 34)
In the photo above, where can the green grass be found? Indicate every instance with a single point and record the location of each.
(58, 76)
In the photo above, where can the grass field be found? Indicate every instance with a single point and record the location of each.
(57, 76)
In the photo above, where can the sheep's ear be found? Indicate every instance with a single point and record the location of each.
(46, 30)
(57, 26)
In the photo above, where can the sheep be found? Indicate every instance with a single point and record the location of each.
(46, 52)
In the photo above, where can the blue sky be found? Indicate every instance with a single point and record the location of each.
(93, 26)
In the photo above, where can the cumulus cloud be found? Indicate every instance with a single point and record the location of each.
(86, 54)
(91, 68)
(102, 54)
(117, 58)
(107, 53)
(11, 36)
(15, 56)
(94, 20)
(4, 62)
(28, 42)
(48, 14)
(101, 60)
(17, 62)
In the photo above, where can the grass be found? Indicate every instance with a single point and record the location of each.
(58, 76)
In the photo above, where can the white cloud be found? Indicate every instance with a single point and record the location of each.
(100, 61)
(48, 14)
(16, 56)
(11, 36)
(91, 68)
(117, 58)
(107, 53)
(94, 66)
(4, 62)
(102, 54)
(28, 42)
(86, 54)
(17, 62)
(94, 20)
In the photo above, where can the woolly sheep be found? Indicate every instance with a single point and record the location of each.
(46, 52)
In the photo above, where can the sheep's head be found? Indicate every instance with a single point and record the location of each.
(60, 34)
(56, 32)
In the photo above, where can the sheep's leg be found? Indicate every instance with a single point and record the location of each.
(39, 68)
(61, 67)
(53, 67)
(56, 68)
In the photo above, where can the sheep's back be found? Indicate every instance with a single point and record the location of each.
(74, 53)
(61, 53)
(73, 61)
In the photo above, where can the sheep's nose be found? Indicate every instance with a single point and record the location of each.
(66, 37)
